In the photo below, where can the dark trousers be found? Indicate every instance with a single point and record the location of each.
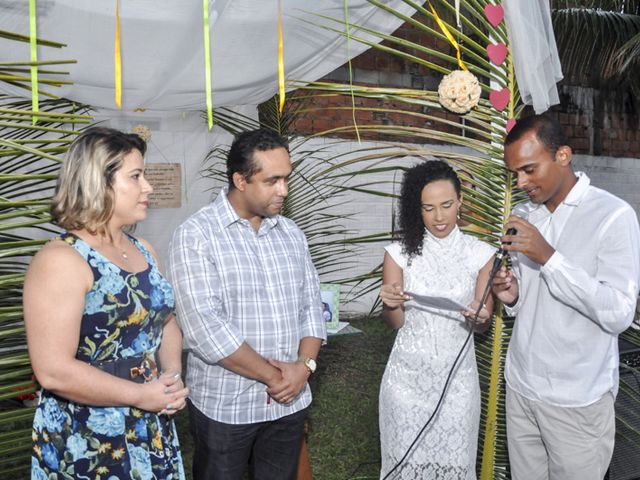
(222, 451)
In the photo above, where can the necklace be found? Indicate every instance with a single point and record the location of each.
(123, 252)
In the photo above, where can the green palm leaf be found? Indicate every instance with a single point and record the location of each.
(29, 162)
(599, 61)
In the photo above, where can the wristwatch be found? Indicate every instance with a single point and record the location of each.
(310, 363)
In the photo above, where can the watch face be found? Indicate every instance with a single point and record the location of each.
(311, 364)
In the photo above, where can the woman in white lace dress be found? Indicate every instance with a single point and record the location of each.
(433, 258)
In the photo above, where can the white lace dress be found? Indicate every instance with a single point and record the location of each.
(423, 353)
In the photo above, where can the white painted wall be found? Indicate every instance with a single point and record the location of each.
(620, 176)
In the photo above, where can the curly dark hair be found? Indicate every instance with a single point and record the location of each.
(410, 219)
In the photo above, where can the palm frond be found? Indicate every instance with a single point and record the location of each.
(17, 73)
(596, 47)
(472, 46)
(29, 161)
(621, 6)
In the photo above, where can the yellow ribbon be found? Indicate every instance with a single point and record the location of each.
(207, 62)
(34, 59)
(447, 34)
(118, 61)
(281, 90)
(353, 100)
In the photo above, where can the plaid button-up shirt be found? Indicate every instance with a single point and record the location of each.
(234, 285)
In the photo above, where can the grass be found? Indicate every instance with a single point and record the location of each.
(343, 418)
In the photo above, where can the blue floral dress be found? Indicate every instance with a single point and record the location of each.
(123, 317)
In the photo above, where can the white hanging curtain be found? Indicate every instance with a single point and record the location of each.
(534, 50)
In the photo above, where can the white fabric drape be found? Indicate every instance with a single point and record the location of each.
(162, 47)
(534, 50)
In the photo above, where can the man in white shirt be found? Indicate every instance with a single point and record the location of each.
(573, 289)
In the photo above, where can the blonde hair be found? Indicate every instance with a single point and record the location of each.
(84, 195)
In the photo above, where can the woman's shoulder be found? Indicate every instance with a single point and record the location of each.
(147, 251)
(145, 245)
(60, 248)
(58, 258)
(65, 248)
(394, 250)
(477, 247)
(470, 239)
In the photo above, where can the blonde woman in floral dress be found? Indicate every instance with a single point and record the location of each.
(102, 338)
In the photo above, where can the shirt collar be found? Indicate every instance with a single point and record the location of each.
(574, 197)
(227, 215)
(576, 194)
(224, 212)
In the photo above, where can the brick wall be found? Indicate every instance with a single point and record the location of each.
(335, 113)
(597, 122)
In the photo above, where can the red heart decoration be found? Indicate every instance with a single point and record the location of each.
(510, 124)
(494, 13)
(499, 98)
(497, 53)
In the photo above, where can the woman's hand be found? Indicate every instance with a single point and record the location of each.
(165, 395)
(392, 295)
(505, 287)
(484, 315)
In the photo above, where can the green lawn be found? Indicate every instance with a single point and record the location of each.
(343, 418)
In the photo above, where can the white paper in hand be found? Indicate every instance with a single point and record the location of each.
(440, 303)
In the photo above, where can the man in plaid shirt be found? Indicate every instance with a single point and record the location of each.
(248, 302)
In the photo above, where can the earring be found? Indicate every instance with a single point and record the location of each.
(458, 214)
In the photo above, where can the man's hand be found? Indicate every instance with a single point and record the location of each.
(505, 287)
(528, 240)
(294, 379)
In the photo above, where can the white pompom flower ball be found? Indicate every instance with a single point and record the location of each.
(143, 132)
(459, 91)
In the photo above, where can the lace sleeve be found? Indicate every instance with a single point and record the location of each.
(481, 252)
(395, 252)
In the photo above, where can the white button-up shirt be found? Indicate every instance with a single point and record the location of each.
(234, 285)
(564, 347)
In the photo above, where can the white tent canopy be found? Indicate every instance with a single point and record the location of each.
(163, 63)
(163, 68)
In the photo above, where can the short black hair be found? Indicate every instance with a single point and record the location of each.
(410, 218)
(240, 158)
(546, 127)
